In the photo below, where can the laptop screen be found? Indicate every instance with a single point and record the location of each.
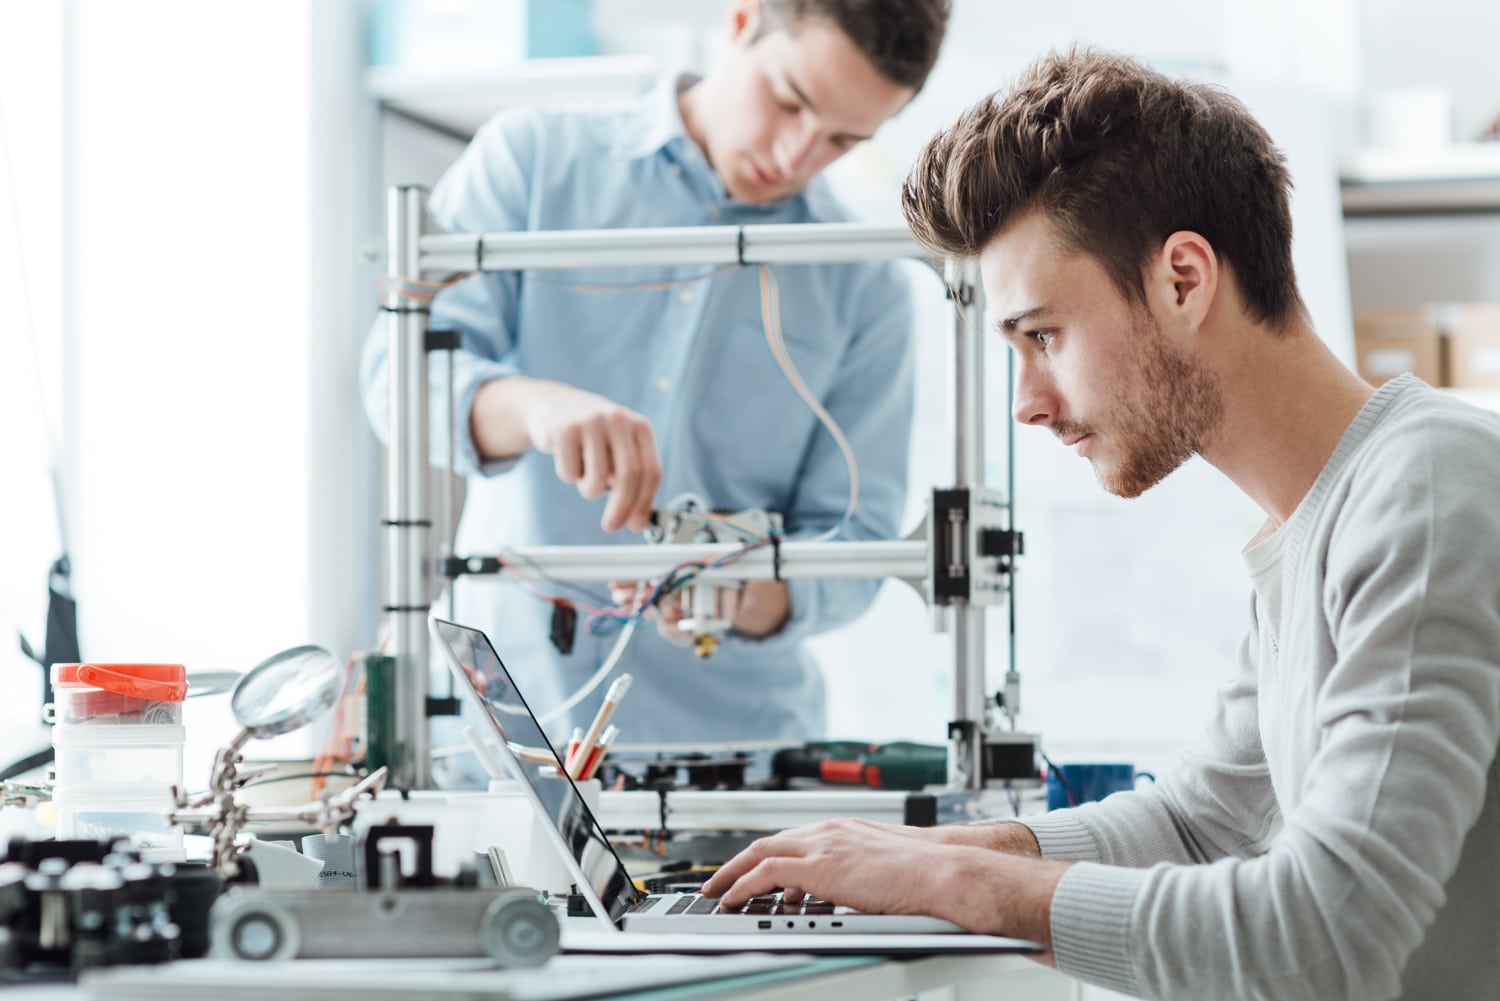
(490, 690)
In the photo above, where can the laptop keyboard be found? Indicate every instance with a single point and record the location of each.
(769, 904)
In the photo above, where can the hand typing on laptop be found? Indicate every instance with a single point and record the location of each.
(951, 873)
(600, 876)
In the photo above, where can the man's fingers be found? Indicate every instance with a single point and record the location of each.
(768, 875)
(596, 462)
(757, 856)
(567, 455)
(671, 610)
(626, 467)
(648, 479)
(736, 867)
(623, 593)
(636, 474)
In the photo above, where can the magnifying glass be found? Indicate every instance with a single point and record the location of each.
(285, 691)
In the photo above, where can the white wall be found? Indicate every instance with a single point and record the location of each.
(31, 286)
(212, 409)
(190, 383)
(1448, 44)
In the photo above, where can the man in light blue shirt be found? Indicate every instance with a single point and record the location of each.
(587, 397)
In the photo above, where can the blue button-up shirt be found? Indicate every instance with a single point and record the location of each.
(691, 358)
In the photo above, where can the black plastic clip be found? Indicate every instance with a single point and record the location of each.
(443, 340)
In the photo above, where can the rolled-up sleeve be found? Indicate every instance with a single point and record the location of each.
(488, 189)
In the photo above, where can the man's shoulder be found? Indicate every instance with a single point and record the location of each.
(584, 128)
(1427, 448)
(1422, 419)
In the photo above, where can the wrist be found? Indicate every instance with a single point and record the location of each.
(1012, 838)
(764, 609)
(1002, 894)
(497, 419)
(996, 836)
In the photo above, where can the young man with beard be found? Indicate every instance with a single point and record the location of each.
(1336, 833)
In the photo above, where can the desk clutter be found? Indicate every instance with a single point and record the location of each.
(68, 906)
(482, 880)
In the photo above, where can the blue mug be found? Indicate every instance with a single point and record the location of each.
(1085, 782)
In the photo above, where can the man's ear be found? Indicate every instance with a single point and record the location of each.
(1183, 279)
(744, 18)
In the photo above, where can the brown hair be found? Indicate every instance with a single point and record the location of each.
(900, 38)
(1119, 157)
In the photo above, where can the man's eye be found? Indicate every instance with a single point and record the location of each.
(1043, 337)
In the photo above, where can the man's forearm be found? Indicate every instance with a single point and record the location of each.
(496, 421)
(1004, 836)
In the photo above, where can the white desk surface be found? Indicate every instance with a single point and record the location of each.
(993, 977)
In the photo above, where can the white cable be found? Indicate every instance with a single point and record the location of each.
(569, 703)
(588, 687)
(487, 759)
(770, 310)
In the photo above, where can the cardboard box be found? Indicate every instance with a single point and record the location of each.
(1388, 342)
(1474, 345)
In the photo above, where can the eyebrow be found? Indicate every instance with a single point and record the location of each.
(811, 107)
(1008, 324)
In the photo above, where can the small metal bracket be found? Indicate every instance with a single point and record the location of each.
(973, 551)
(453, 567)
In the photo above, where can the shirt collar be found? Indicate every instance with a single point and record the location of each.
(657, 128)
(658, 120)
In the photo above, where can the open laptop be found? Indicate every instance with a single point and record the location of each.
(601, 876)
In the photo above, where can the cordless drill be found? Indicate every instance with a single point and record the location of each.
(900, 764)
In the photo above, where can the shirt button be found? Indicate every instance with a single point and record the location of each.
(714, 213)
(686, 295)
(663, 384)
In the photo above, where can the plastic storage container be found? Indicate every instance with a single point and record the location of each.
(118, 737)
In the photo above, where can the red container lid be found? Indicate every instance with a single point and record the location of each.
(152, 682)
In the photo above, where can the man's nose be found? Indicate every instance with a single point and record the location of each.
(795, 151)
(1033, 403)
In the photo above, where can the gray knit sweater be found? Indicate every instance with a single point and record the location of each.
(1336, 834)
